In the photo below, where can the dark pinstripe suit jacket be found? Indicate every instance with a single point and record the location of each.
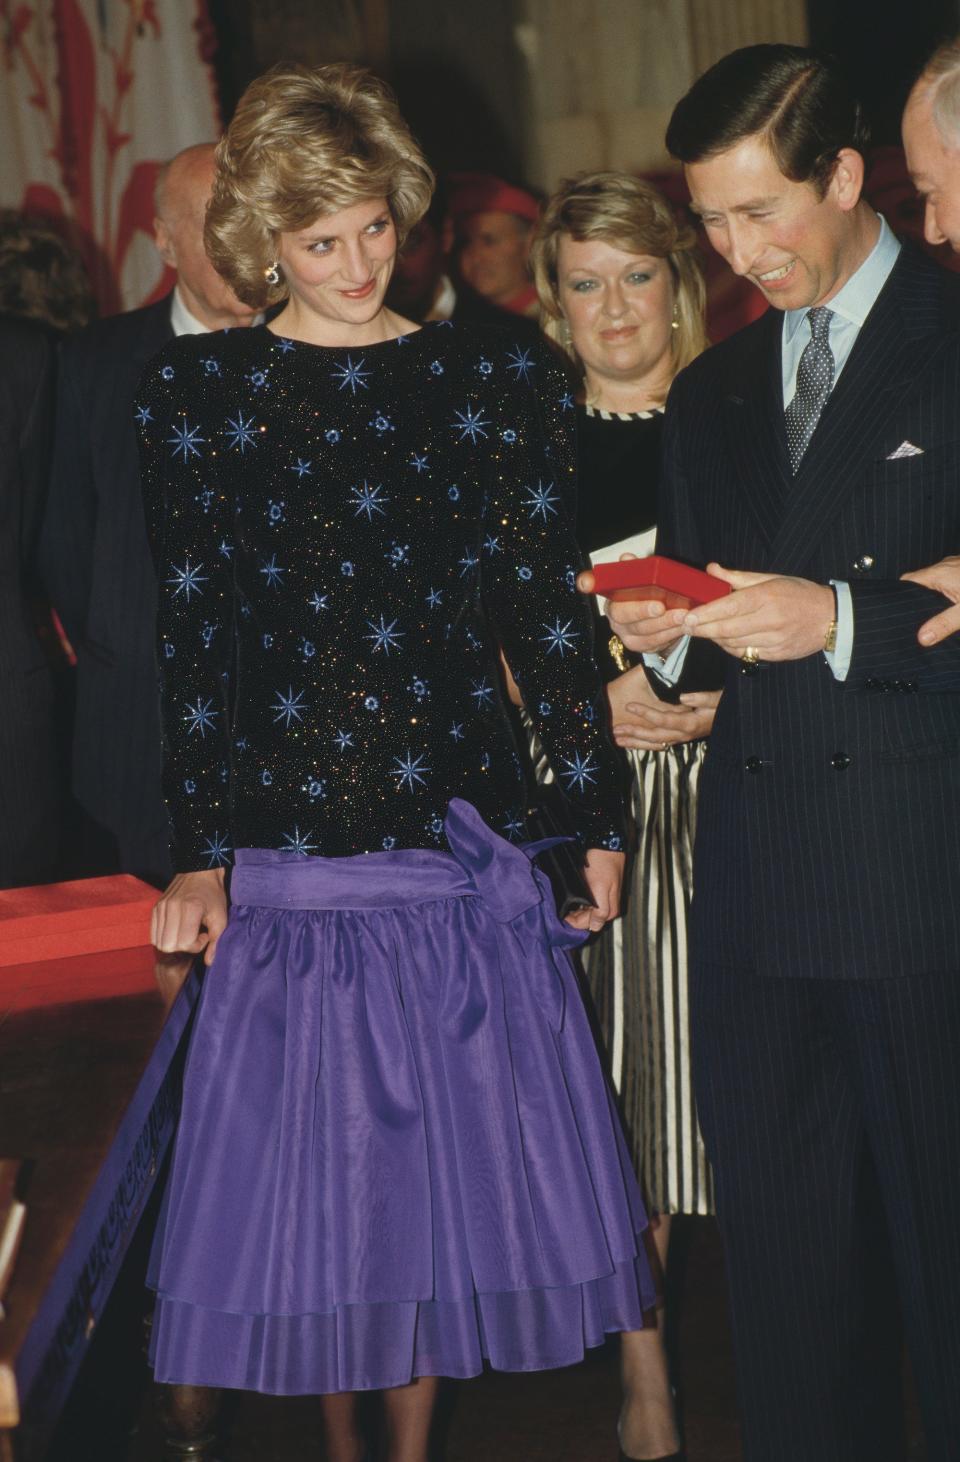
(97, 566)
(829, 821)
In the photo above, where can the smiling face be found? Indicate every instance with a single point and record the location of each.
(799, 249)
(337, 271)
(935, 170)
(619, 307)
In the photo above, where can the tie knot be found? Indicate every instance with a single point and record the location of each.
(820, 318)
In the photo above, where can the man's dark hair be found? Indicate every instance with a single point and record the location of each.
(797, 99)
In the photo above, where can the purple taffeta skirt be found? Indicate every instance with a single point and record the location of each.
(398, 1155)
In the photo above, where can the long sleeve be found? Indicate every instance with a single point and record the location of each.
(191, 525)
(67, 537)
(543, 624)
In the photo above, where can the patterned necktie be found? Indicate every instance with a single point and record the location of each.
(814, 384)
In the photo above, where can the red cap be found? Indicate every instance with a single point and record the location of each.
(484, 193)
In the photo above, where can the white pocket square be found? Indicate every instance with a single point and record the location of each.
(905, 449)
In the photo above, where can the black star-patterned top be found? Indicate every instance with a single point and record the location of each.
(344, 539)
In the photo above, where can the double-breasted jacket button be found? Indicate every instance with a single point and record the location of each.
(863, 564)
(840, 761)
(753, 764)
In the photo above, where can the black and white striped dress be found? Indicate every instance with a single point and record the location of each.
(637, 967)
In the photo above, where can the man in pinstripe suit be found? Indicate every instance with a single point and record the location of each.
(816, 455)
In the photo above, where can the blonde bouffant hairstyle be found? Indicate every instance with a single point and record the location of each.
(631, 215)
(306, 141)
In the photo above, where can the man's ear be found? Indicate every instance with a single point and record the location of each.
(846, 184)
(164, 242)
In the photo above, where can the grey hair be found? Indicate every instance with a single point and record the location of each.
(940, 80)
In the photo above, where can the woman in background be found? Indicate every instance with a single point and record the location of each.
(622, 293)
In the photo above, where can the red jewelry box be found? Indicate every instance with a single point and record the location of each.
(674, 584)
(54, 920)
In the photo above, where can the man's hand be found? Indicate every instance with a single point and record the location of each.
(944, 577)
(643, 625)
(603, 872)
(641, 721)
(782, 618)
(191, 915)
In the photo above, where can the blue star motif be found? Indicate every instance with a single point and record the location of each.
(435, 598)
(185, 440)
(456, 731)
(285, 345)
(240, 433)
(318, 601)
(368, 500)
(559, 637)
(207, 633)
(470, 424)
(352, 375)
(513, 827)
(491, 544)
(187, 580)
(541, 500)
(302, 468)
(521, 362)
(410, 772)
(241, 744)
(343, 739)
(386, 637)
(566, 402)
(143, 415)
(420, 463)
(288, 707)
(482, 693)
(224, 548)
(216, 850)
(272, 572)
(468, 563)
(299, 843)
(580, 771)
(200, 717)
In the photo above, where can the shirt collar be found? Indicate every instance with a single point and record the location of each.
(858, 296)
(182, 322)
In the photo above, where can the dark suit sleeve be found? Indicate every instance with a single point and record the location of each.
(678, 537)
(35, 446)
(886, 617)
(67, 540)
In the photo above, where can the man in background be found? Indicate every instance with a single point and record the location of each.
(931, 141)
(94, 553)
(492, 224)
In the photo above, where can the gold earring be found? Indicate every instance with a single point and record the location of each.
(675, 322)
(272, 274)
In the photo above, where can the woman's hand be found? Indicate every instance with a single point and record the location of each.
(603, 872)
(191, 915)
(640, 721)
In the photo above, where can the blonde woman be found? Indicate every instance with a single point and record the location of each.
(621, 292)
(397, 1158)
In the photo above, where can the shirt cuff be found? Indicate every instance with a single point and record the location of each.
(839, 658)
(671, 668)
